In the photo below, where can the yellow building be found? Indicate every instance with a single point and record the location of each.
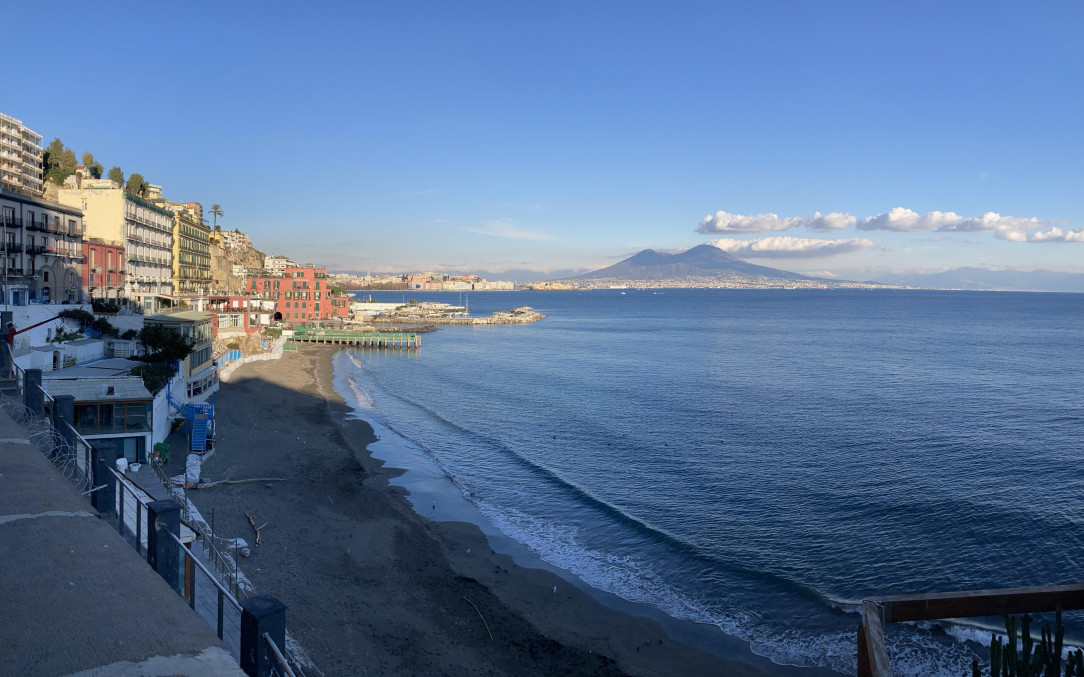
(146, 230)
(191, 255)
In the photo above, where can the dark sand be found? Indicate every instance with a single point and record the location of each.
(372, 587)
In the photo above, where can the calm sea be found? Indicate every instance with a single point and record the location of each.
(758, 461)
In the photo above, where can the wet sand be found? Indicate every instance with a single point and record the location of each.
(372, 587)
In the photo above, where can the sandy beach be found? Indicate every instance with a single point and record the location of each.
(372, 587)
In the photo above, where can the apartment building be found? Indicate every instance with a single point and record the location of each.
(103, 269)
(235, 239)
(191, 254)
(277, 265)
(41, 250)
(198, 369)
(111, 214)
(301, 295)
(20, 157)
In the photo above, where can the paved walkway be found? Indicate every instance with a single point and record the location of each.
(76, 597)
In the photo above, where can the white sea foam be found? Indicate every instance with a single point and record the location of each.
(362, 398)
(915, 652)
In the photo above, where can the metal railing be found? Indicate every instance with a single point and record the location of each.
(198, 585)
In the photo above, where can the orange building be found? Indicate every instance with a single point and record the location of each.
(301, 295)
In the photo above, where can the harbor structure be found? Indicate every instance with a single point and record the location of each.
(111, 213)
(20, 157)
(41, 250)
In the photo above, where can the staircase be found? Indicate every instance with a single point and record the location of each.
(198, 438)
(9, 387)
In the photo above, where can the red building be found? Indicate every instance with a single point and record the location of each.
(301, 295)
(103, 269)
(231, 314)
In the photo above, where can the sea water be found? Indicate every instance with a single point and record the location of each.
(759, 461)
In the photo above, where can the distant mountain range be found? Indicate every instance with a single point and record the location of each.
(700, 261)
(983, 279)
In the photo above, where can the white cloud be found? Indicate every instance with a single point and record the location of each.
(509, 231)
(903, 220)
(790, 247)
(833, 221)
(725, 222)
(1055, 234)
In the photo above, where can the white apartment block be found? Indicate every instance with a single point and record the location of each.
(41, 250)
(277, 265)
(20, 156)
(233, 239)
(146, 231)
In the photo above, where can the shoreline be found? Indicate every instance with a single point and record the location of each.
(374, 587)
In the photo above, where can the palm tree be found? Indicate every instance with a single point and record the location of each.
(217, 211)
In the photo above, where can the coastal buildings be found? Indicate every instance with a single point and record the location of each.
(146, 230)
(235, 239)
(103, 269)
(191, 254)
(40, 250)
(231, 314)
(302, 294)
(277, 265)
(20, 156)
(115, 409)
(198, 369)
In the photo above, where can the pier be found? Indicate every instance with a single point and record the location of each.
(358, 339)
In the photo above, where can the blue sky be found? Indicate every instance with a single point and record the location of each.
(554, 136)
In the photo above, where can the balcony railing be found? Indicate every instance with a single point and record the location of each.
(12, 222)
(13, 247)
(873, 660)
(35, 224)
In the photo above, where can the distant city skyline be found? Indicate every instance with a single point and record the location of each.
(836, 139)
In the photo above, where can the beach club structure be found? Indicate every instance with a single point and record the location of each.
(198, 369)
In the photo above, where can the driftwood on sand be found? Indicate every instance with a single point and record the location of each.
(255, 528)
(208, 485)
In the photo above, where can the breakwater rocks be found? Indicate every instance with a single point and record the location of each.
(523, 315)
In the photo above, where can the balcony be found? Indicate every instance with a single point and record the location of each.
(873, 659)
(13, 247)
(12, 222)
(35, 249)
(32, 224)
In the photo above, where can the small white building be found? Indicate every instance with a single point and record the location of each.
(113, 408)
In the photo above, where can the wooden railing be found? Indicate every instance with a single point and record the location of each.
(873, 660)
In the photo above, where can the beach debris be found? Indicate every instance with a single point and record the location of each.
(218, 483)
(255, 528)
(480, 616)
(191, 470)
(555, 589)
(239, 545)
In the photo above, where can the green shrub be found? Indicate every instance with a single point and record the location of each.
(155, 375)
